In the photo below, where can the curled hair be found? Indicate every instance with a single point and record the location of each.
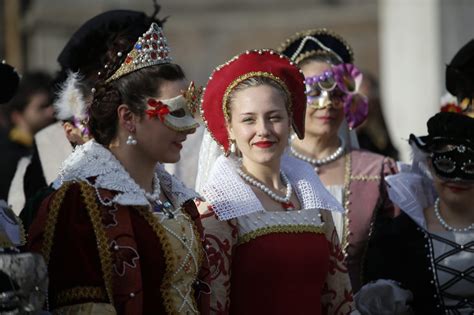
(132, 89)
(254, 82)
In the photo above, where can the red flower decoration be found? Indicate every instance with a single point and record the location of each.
(453, 108)
(159, 110)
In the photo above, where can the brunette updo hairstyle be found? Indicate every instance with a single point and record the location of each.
(132, 89)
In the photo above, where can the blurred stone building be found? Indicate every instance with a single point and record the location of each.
(405, 43)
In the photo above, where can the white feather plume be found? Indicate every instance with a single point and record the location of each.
(70, 102)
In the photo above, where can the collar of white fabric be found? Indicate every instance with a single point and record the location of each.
(230, 197)
(92, 160)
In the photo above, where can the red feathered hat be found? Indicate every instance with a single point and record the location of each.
(255, 63)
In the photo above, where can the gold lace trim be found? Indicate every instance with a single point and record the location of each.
(169, 258)
(365, 178)
(74, 295)
(51, 221)
(88, 193)
(86, 308)
(280, 229)
(346, 201)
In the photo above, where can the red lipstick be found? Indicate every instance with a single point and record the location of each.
(456, 188)
(263, 144)
(325, 118)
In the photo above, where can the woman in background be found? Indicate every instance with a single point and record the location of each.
(424, 258)
(354, 177)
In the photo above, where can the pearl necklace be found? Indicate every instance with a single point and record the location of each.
(319, 162)
(446, 225)
(285, 201)
(154, 197)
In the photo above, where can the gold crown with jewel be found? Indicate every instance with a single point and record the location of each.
(149, 50)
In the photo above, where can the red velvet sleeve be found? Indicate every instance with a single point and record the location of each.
(63, 233)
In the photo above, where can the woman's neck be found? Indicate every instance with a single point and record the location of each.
(457, 215)
(317, 147)
(140, 169)
(268, 174)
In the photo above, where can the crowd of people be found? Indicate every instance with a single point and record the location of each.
(288, 214)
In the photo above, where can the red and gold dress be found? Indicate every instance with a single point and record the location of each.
(265, 262)
(108, 253)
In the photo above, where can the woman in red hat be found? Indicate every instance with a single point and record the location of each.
(271, 242)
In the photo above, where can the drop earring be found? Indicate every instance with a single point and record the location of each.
(131, 140)
(232, 146)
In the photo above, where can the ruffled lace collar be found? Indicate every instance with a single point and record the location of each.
(94, 161)
(230, 197)
(412, 191)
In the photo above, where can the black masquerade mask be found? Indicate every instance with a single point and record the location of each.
(450, 144)
(453, 161)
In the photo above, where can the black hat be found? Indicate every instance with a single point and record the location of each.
(10, 80)
(84, 50)
(460, 73)
(316, 42)
(446, 128)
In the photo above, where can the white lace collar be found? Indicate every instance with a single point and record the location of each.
(92, 160)
(412, 192)
(231, 197)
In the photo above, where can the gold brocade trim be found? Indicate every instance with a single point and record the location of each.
(86, 308)
(74, 295)
(88, 193)
(280, 229)
(365, 178)
(170, 259)
(51, 221)
(253, 74)
(346, 202)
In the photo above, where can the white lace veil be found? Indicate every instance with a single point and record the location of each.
(208, 154)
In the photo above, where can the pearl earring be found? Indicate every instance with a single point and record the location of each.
(232, 146)
(131, 140)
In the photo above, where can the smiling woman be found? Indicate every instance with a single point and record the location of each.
(271, 243)
(353, 176)
(116, 218)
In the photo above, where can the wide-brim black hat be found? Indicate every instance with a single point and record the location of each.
(302, 45)
(446, 128)
(10, 80)
(460, 73)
